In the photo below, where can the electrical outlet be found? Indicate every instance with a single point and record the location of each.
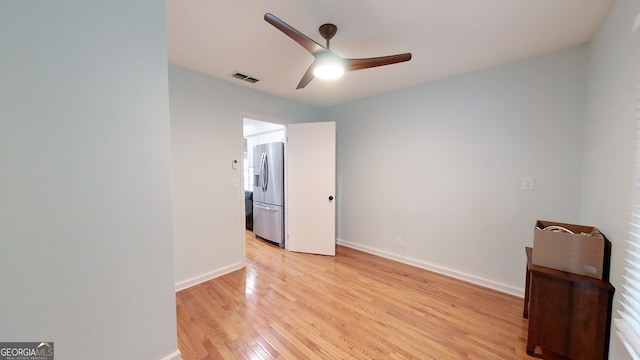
(398, 241)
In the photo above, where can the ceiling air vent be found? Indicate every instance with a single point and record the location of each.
(245, 78)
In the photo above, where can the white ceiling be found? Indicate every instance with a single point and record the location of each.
(446, 38)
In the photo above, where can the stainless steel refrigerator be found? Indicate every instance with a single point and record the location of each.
(268, 192)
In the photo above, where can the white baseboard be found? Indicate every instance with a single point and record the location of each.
(477, 280)
(208, 276)
(173, 356)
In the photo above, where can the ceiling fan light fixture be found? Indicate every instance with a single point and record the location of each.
(328, 68)
(323, 54)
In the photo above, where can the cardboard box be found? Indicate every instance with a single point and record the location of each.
(585, 252)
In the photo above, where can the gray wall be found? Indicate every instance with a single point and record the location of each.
(86, 256)
(441, 166)
(206, 128)
(610, 135)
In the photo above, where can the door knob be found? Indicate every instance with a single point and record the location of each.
(330, 197)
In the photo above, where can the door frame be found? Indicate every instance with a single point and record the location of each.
(243, 223)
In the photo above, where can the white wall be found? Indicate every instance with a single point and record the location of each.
(86, 256)
(608, 174)
(206, 128)
(441, 166)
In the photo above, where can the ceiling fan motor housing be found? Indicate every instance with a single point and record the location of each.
(328, 31)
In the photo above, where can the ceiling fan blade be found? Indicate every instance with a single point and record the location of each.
(359, 64)
(307, 43)
(306, 78)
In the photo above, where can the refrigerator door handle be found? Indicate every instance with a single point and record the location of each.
(268, 208)
(262, 171)
(265, 178)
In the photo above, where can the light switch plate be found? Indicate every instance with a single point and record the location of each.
(528, 184)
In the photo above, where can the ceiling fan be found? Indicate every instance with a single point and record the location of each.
(327, 64)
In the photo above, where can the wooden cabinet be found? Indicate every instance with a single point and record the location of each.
(569, 315)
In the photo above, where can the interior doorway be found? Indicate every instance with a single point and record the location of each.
(260, 217)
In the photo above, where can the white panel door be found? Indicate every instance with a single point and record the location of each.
(311, 176)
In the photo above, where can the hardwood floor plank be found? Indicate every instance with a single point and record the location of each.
(287, 305)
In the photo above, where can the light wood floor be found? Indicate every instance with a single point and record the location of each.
(287, 305)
